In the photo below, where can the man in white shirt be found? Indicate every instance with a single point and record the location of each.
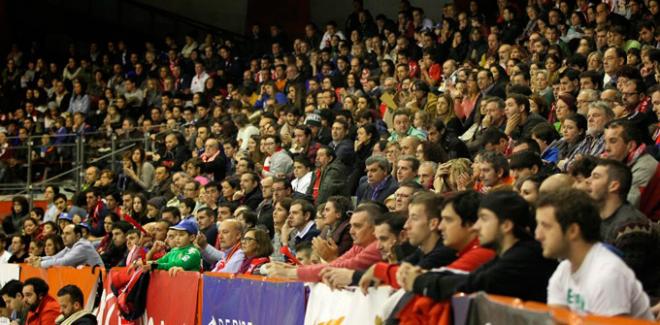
(301, 220)
(330, 31)
(198, 81)
(78, 251)
(302, 173)
(591, 278)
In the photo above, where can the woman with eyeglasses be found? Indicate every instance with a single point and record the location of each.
(257, 248)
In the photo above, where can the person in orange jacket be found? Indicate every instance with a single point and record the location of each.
(43, 309)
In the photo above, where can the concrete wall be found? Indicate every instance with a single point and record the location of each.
(324, 10)
(227, 14)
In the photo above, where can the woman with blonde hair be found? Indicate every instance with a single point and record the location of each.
(452, 176)
(594, 61)
(445, 111)
(542, 86)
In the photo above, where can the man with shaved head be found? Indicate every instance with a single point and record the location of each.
(409, 145)
(175, 153)
(214, 160)
(229, 257)
(556, 182)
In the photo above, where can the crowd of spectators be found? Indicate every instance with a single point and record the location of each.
(513, 152)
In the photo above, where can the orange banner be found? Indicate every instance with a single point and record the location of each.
(59, 276)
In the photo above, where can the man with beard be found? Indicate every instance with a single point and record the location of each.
(72, 304)
(623, 226)
(593, 144)
(78, 251)
(42, 308)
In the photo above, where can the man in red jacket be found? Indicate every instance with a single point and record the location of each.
(43, 309)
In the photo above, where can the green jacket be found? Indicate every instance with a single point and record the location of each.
(189, 258)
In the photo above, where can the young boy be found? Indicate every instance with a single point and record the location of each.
(185, 256)
(186, 207)
(135, 249)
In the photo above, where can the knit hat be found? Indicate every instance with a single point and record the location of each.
(313, 119)
(157, 202)
(509, 205)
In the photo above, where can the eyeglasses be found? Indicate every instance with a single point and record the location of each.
(246, 239)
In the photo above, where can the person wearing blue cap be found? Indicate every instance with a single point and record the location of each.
(64, 219)
(185, 256)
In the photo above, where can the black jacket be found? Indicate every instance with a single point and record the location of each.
(520, 272)
(217, 167)
(440, 256)
(175, 158)
(252, 199)
(365, 190)
(88, 319)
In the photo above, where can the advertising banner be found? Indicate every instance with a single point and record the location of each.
(170, 300)
(9, 272)
(350, 306)
(249, 302)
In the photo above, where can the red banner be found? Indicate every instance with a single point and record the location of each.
(107, 313)
(172, 300)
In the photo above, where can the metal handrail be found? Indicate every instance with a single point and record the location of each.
(30, 187)
(112, 153)
(80, 152)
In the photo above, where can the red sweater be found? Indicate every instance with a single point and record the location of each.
(356, 258)
(45, 314)
(468, 260)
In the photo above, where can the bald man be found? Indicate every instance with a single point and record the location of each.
(230, 256)
(555, 182)
(409, 145)
(174, 154)
(214, 160)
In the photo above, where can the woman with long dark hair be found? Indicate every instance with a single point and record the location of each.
(53, 244)
(335, 238)
(140, 209)
(139, 171)
(367, 136)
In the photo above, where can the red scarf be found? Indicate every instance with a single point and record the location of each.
(221, 264)
(636, 153)
(136, 224)
(250, 264)
(317, 184)
(643, 105)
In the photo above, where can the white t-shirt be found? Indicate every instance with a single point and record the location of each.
(4, 257)
(301, 185)
(604, 285)
(244, 134)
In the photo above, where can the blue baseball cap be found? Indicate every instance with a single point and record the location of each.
(65, 216)
(86, 226)
(186, 225)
